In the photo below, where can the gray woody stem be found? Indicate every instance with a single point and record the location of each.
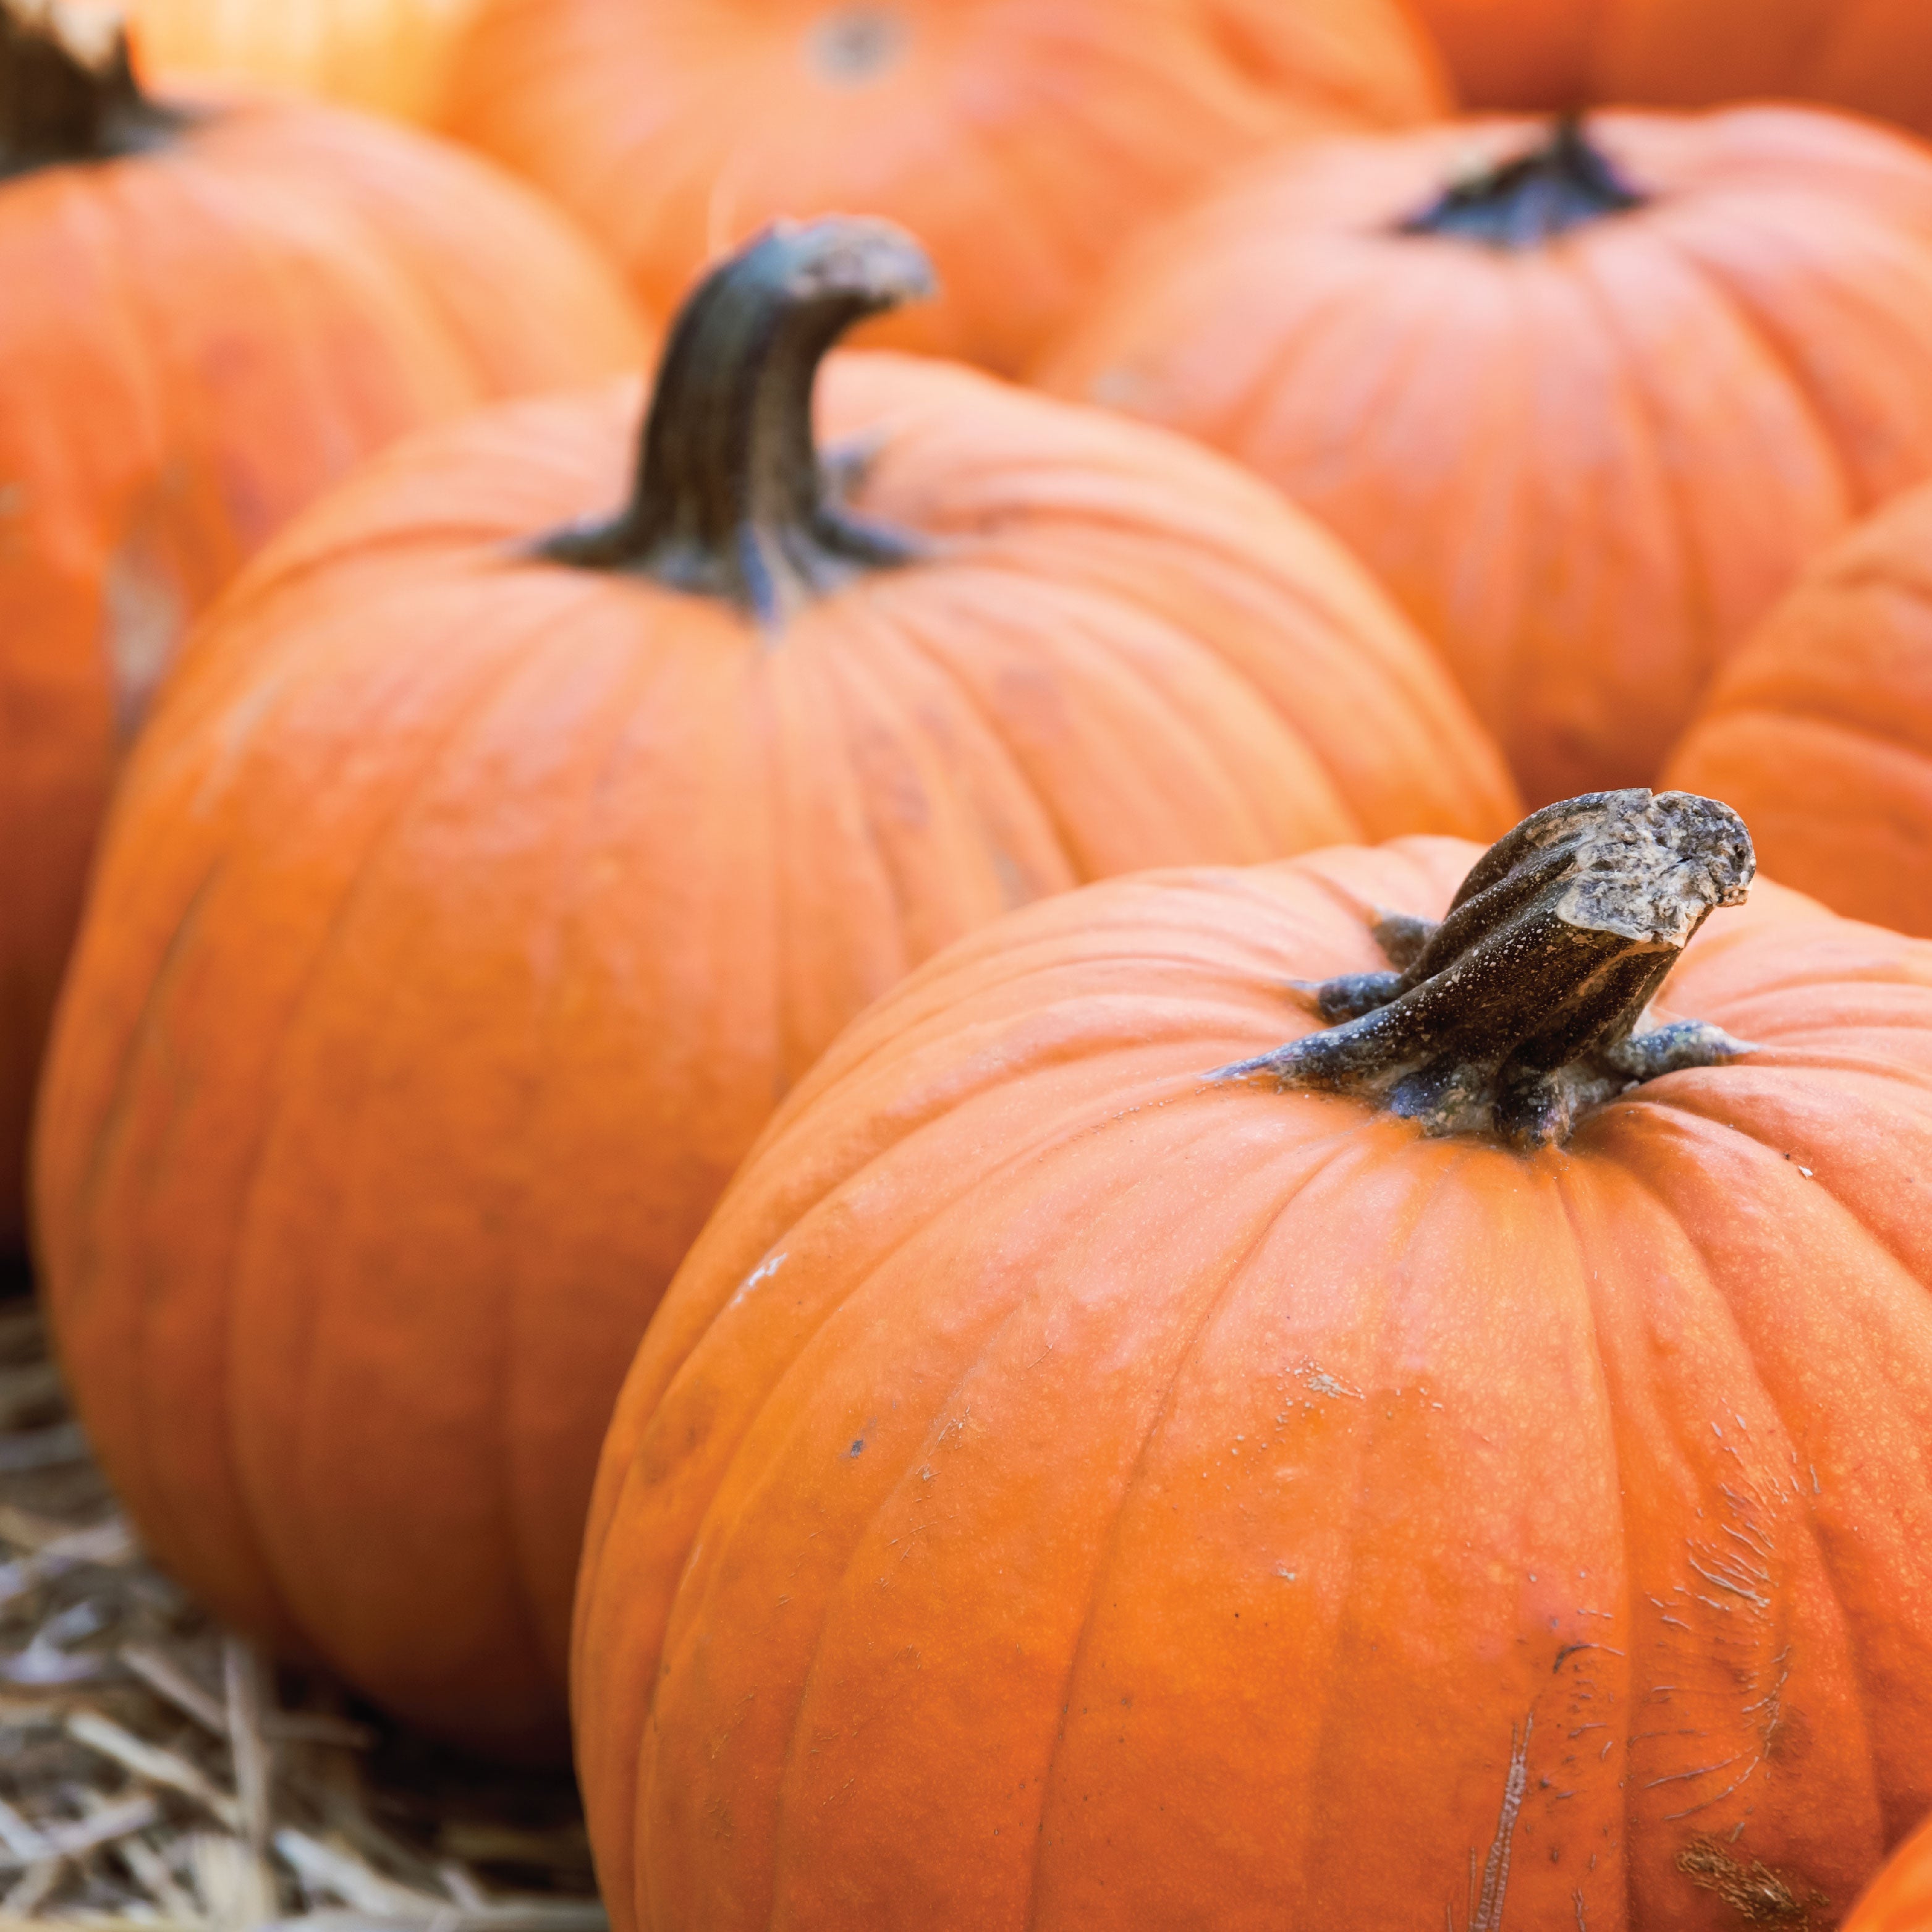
(1522, 1008)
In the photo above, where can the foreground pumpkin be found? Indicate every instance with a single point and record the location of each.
(1872, 56)
(1900, 1898)
(1019, 140)
(1820, 730)
(1586, 399)
(1466, 1466)
(389, 55)
(210, 312)
(479, 891)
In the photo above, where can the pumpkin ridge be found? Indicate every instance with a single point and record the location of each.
(1850, 1653)
(908, 630)
(1737, 304)
(320, 960)
(1316, 1157)
(731, 498)
(1611, 1439)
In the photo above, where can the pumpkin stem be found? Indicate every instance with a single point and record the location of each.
(1521, 1009)
(732, 499)
(67, 91)
(1567, 182)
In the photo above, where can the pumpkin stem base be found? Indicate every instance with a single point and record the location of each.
(733, 499)
(1520, 1011)
(65, 97)
(1567, 182)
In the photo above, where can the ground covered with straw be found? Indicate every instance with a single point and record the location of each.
(154, 1770)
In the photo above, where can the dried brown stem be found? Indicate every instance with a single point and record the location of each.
(732, 499)
(66, 96)
(1566, 182)
(1522, 1008)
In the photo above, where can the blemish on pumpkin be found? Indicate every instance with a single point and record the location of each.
(857, 43)
(1486, 1908)
(144, 616)
(1757, 1894)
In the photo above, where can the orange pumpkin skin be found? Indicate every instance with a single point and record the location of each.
(674, 130)
(195, 341)
(1900, 1898)
(1872, 56)
(1061, 1490)
(1820, 730)
(1365, 58)
(495, 904)
(389, 56)
(1587, 466)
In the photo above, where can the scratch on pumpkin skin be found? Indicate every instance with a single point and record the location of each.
(1486, 1909)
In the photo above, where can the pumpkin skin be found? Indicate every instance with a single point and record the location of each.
(389, 56)
(674, 130)
(1060, 1489)
(1900, 1898)
(1588, 464)
(495, 904)
(1872, 56)
(1819, 731)
(196, 340)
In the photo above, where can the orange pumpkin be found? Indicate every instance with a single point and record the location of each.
(1585, 400)
(476, 896)
(1900, 1898)
(389, 55)
(1019, 140)
(1872, 56)
(1820, 730)
(1100, 1469)
(211, 311)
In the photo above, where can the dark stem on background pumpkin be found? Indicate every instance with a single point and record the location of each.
(1521, 1009)
(1566, 183)
(63, 101)
(732, 499)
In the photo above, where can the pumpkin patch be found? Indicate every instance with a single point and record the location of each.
(1080, 1081)
(545, 849)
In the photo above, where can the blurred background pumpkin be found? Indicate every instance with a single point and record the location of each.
(1022, 140)
(1872, 56)
(1819, 731)
(1586, 396)
(213, 309)
(388, 56)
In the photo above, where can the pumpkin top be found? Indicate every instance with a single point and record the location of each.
(69, 94)
(1520, 1008)
(731, 499)
(1567, 182)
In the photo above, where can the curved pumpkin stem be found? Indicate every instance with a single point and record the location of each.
(1522, 1007)
(1567, 182)
(67, 94)
(732, 500)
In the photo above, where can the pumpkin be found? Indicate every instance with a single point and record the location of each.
(1362, 56)
(385, 54)
(491, 873)
(1464, 1466)
(1020, 139)
(1871, 56)
(1820, 730)
(212, 310)
(1586, 398)
(1900, 1896)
